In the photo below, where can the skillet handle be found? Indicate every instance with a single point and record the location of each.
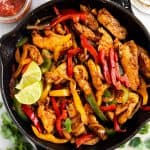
(124, 3)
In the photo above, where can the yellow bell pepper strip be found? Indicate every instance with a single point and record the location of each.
(91, 100)
(78, 103)
(125, 94)
(142, 90)
(48, 137)
(45, 92)
(59, 93)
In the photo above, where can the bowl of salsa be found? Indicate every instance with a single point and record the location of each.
(12, 10)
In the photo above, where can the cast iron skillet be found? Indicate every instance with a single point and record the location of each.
(7, 46)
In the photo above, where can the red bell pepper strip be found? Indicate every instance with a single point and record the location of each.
(145, 108)
(123, 79)
(104, 66)
(112, 59)
(55, 106)
(117, 126)
(57, 12)
(74, 51)
(85, 44)
(82, 139)
(69, 65)
(111, 107)
(63, 104)
(59, 120)
(71, 53)
(75, 16)
(27, 109)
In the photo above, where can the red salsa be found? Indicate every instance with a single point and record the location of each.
(10, 7)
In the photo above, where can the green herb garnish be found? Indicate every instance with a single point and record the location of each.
(10, 131)
(135, 142)
(107, 93)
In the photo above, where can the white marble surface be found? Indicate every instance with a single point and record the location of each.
(4, 28)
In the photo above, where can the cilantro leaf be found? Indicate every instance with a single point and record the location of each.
(135, 142)
(144, 129)
(147, 143)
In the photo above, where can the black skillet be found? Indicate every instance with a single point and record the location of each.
(7, 46)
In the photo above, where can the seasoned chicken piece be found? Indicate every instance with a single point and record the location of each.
(121, 108)
(91, 21)
(106, 41)
(132, 103)
(72, 112)
(110, 115)
(117, 44)
(93, 141)
(96, 80)
(34, 53)
(144, 62)
(81, 76)
(88, 33)
(53, 42)
(58, 75)
(111, 24)
(96, 127)
(78, 127)
(47, 117)
(59, 29)
(129, 61)
(95, 75)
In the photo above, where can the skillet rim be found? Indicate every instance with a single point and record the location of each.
(18, 27)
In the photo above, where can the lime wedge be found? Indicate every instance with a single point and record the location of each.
(31, 75)
(30, 94)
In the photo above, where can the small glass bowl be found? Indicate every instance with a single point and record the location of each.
(19, 15)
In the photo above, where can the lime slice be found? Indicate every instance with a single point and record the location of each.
(31, 75)
(30, 94)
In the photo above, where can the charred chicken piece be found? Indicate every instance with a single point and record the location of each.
(106, 41)
(91, 21)
(47, 117)
(53, 42)
(58, 75)
(96, 127)
(34, 53)
(111, 24)
(144, 62)
(129, 59)
(87, 32)
(132, 103)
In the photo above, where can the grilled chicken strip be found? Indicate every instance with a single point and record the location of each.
(111, 24)
(144, 62)
(96, 127)
(87, 32)
(47, 117)
(53, 42)
(129, 59)
(34, 53)
(91, 21)
(132, 103)
(58, 75)
(106, 41)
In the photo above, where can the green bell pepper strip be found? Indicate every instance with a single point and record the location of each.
(91, 100)
(47, 61)
(19, 111)
(22, 41)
